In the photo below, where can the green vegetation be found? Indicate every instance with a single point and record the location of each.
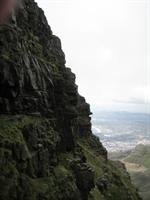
(140, 155)
(117, 180)
(10, 128)
(47, 151)
(58, 175)
(96, 161)
(95, 195)
(141, 173)
(137, 163)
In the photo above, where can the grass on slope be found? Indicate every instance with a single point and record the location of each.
(140, 155)
(119, 183)
(137, 163)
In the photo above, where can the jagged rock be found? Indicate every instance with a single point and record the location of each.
(84, 176)
(103, 183)
(47, 150)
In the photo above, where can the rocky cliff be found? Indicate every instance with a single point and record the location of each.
(47, 149)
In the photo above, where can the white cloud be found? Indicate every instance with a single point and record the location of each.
(106, 46)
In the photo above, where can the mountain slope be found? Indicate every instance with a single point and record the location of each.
(137, 162)
(140, 174)
(140, 155)
(47, 149)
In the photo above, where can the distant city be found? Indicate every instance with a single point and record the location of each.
(121, 131)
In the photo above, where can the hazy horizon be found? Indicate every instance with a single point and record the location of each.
(106, 44)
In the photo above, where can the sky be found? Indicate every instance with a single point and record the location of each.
(107, 46)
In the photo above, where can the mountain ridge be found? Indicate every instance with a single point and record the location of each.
(47, 149)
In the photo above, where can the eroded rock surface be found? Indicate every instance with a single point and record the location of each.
(47, 149)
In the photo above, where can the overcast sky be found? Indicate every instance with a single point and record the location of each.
(107, 46)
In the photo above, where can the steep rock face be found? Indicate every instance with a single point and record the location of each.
(47, 150)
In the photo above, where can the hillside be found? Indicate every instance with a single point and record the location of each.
(137, 162)
(47, 149)
(140, 172)
(140, 155)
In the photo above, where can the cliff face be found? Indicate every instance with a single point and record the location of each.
(47, 150)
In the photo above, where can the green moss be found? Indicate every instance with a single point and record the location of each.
(94, 160)
(8, 180)
(9, 132)
(60, 170)
(32, 44)
(119, 183)
(5, 56)
(65, 158)
(10, 128)
(9, 169)
(82, 120)
(41, 186)
(59, 185)
(95, 195)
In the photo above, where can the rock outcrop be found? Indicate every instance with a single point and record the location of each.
(47, 149)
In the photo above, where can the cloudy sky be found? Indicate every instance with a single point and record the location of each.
(107, 44)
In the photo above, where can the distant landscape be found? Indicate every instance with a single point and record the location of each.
(121, 131)
(126, 136)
